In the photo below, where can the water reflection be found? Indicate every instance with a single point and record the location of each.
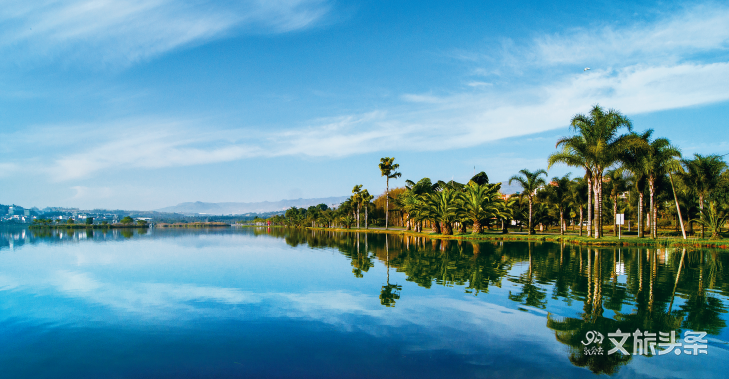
(573, 289)
(656, 290)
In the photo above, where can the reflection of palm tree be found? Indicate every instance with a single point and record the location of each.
(531, 294)
(390, 292)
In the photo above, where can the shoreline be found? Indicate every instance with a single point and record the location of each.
(567, 238)
(84, 226)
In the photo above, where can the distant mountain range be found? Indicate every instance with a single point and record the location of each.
(199, 207)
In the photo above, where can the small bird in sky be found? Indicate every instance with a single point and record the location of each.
(586, 68)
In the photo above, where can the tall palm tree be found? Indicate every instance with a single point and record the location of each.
(661, 158)
(576, 153)
(357, 199)
(702, 175)
(530, 182)
(579, 196)
(633, 160)
(618, 185)
(602, 144)
(557, 193)
(388, 169)
(366, 199)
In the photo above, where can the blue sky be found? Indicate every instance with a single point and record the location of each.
(144, 104)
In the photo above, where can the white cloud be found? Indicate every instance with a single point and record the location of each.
(116, 32)
(666, 40)
(7, 169)
(631, 80)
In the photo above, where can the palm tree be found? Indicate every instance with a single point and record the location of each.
(443, 207)
(530, 182)
(558, 194)
(366, 199)
(659, 160)
(387, 168)
(481, 202)
(632, 160)
(702, 175)
(715, 219)
(575, 153)
(419, 190)
(579, 196)
(357, 199)
(600, 142)
(618, 185)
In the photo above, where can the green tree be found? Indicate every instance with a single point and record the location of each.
(442, 206)
(633, 160)
(702, 175)
(557, 193)
(618, 184)
(530, 182)
(577, 153)
(660, 159)
(388, 169)
(579, 195)
(89, 220)
(602, 145)
(481, 202)
(127, 220)
(713, 217)
(366, 202)
(357, 200)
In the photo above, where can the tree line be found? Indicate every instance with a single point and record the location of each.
(641, 176)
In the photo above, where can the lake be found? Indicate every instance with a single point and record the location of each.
(281, 303)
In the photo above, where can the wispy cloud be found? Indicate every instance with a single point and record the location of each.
(486, 111)
(149, 143)
(119, 32)
(667, 40)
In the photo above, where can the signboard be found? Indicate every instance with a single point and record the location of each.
(620, 219)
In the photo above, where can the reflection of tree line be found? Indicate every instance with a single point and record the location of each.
(664, 290)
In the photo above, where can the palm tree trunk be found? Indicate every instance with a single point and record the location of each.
(387, 201)
(435, 226)
(531, 230)
(580, 221)
(701, 213)
(596, 215)
(447, 228)
(589, 207)
(615, 213)
(641, 232)
(358, 206)
(477, 228)
(366, 226)
(651, 190)
(561, 222)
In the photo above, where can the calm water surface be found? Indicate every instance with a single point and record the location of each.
(287, 303)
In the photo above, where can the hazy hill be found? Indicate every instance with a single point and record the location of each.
(242, 208)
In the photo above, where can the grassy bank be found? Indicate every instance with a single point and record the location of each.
(193, 225)
(567, 238)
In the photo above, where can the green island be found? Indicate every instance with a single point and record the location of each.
(637, 190)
